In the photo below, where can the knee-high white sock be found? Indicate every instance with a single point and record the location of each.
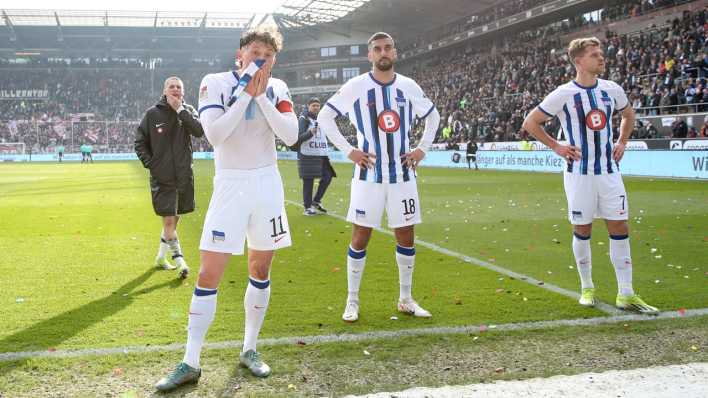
(622, 261)
(201, 314)
(255, 303)
(583, 259)
(356, 260)
(405, 258)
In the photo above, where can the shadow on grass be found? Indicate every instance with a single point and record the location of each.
(52, 332)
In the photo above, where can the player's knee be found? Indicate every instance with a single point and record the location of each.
(583, 230)
(618, 227)
(405, 236)
(207, 279)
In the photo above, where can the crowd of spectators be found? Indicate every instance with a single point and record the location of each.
(485, 94)
(482, 95)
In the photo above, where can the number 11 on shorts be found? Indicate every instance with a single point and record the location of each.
(276, 226)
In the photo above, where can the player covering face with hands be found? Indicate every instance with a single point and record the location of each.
(242, 111)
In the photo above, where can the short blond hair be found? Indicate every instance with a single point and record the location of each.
(577, 47)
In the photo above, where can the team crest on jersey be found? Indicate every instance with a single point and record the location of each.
(596, 120)
(401, 101)
(389, 121)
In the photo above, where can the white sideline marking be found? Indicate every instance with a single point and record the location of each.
(606, 308)
(686, 381)
(340, 338)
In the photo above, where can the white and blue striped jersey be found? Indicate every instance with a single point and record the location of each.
(383, 115)
(585, 114)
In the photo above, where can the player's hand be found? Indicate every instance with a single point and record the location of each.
(618, 151)
(174, 101)
(568, 152)
(262, 75)
(363, 159)
(411, 159)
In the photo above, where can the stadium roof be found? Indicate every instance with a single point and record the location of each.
(289, 14)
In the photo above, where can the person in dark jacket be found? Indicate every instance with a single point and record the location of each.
(163, 144)
(472, 154)
(312, 159)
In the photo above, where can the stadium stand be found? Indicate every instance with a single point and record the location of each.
(481, 95)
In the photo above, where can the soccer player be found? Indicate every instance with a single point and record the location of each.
(163, 144)
(592, 179)
(248, 198)
(382, 104)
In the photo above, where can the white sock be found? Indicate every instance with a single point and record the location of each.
(405, 258)
(175, 249)
(583, 260)
(164, 248)
(356, 260)
(255, 303)
(622, 261)
(201, 314)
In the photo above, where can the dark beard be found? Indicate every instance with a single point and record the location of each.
(384, 67)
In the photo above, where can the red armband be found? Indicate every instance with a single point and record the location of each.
(285, 106)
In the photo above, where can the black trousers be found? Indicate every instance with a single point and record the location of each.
(309, 183)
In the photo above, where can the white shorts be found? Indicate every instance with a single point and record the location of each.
(368, 200)
(246, 205)
(595, 196)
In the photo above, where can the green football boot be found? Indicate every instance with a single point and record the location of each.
(636, 304)
(587, 297)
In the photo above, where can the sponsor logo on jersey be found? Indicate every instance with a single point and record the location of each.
(389, 121)
(596, 120)
(576, 215)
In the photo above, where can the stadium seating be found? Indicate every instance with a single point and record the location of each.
(483, 94)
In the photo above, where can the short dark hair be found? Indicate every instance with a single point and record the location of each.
(379, 36)
(313, 100)
(266, 34)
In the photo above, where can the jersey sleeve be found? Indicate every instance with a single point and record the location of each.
(620, 96)
(422, 105)
(342, 102)
(210, 95)
(552, 104)
(283, 100)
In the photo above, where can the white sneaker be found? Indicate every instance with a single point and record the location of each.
(351, 312)
(161, 262)
(182, 268)
(410, 307)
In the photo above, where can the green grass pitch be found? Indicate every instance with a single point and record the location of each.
(77, 244)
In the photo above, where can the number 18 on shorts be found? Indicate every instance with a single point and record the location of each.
(369, 199)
